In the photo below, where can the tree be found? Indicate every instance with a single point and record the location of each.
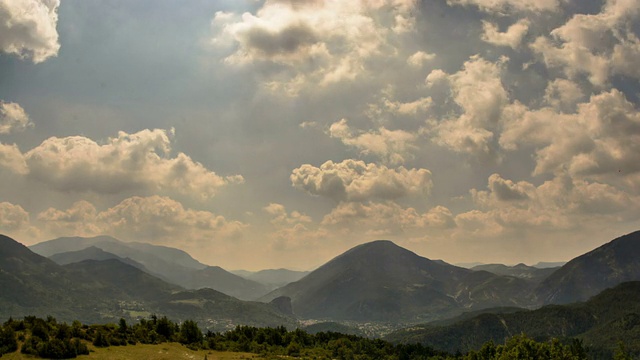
(164, 328)
(8, 342)
(122, 326)
(190, 333)
(100, 340)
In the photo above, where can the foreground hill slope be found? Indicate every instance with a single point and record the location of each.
(32, 284)
(380, 281)
(612, 316)
(587, 275)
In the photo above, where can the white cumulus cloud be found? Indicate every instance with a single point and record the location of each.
(13, 118)
(478, 91)
(595, 45)
(419, 58)
(12, 217)
(512, 37)
(600, 141)
(28, 28)
(281, 217)
(155, 219)
(322, 42)
(12, 159)
(559, 204)
(353, 180)
(138, 161)
(391, 146)
(386, 218)
(507, 6)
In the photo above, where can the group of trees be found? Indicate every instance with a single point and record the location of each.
(43, 338)
(49, 339)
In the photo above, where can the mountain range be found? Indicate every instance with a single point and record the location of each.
(381, 281)
(520, 271)
(172, 265)
(102, 278)
(98, 291)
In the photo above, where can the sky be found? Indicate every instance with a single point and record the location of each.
(261, 134)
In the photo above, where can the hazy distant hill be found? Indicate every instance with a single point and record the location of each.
(153, 253)
(154, 258)
(520, 271)
(215, 277)
(91, 253)
(99, 291)
(469, 265)
(380, 281)
(601, 322)
(587, 275)
(169, 264)
(272, 278)
(546, 264)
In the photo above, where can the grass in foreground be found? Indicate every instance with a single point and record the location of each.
(165, 351)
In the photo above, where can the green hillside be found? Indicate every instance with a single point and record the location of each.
(601, 322)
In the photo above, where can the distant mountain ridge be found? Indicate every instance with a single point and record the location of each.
(272, 278)
(217, 278)
(170, 264)
(113, 245)
(105, 290)
(549, 264)
(520, 271)
(92, 253)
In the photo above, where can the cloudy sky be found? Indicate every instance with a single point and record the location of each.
(278, 133)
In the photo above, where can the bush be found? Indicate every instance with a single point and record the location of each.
(190, 333)
(100, 340)
(8, 342)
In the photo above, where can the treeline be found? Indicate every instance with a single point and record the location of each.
(49, 339)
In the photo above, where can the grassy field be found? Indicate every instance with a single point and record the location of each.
(166, 351)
